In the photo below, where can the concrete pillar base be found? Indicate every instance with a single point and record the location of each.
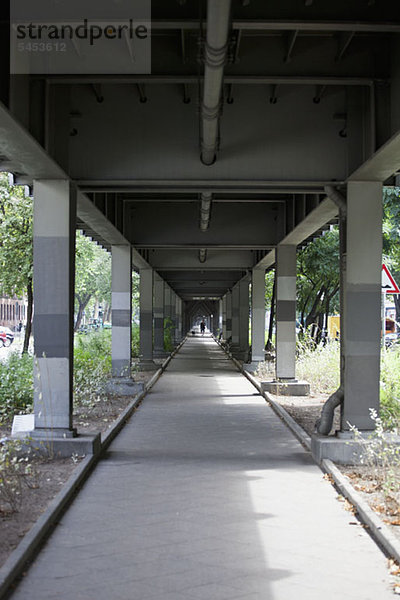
(147, 365)
(290, 387)
(160, 354)
(238, 353)
(343, 448)
(59, 432)
(51, 443)
(124, 386)
(252, 367)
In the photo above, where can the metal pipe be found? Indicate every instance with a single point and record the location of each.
(324, 423)
(205, 210)
(202, 255)
(218, 14)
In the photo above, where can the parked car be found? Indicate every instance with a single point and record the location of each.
(6, 336)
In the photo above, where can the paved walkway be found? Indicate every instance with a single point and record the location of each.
(205, 495)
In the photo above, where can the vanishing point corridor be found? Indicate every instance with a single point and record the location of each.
(206, 495)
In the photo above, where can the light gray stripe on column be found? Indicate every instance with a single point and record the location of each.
(52, 253)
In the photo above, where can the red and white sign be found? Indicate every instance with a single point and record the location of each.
(389, 286)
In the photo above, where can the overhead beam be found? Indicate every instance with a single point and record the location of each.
(325, 212)
(228, 79)
(382, 164)
(292, 25)
(22, 154)
(201, 246)
(228, 186)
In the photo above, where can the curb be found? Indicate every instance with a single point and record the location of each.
(376, 527)
(378, 530)
(27, 548)
(298, 431)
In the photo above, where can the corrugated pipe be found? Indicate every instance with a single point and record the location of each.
(205, 210)
(337, 198)
(202, 255)
(324, 423)
(218, 15)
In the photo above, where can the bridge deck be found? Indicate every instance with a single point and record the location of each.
(206, 495)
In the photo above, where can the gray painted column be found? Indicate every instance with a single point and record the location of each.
(244, 313)
(54, 268)
(235, 316)
(146, 318)
(178, 320)
(158, 316)
(286, 312)
(168, 310)
(362, 301)
(121, 311)
(224, 317)
(173, 316)
(258, 315)
(228, 320)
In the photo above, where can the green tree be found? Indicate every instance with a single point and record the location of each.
(318, 281)
(270, 296)
(391, 237)
(16, 249)
(92, 275)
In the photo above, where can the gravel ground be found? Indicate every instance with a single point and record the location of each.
(49, 475)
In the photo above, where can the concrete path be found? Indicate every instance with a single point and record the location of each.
(205, 495)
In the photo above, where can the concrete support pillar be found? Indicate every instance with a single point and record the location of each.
(121, 311)
(159, 308)
(54, 269)
(244, 313)
(224, 317)
(257, 315)
(286, 313)
(228, 320)
(146, 319)
(235, 317)
(178, 320)
(173, 316)
(167, 301)
(362, 304)
(168, 314)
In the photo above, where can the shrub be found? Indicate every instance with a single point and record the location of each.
(168, 335)
(380, 455)
(16, 386)
(15, 472)
(92, 366)
(320, 366)
(390, 387)
(135, 340)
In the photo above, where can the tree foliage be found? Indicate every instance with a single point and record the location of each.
(92, 275)
(318, 281)
(391, 236)
(16, 250)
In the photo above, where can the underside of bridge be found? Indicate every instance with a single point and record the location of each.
(258, 126)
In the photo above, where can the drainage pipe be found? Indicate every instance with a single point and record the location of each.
(324, 423)
(218, 15)
(205, 210)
